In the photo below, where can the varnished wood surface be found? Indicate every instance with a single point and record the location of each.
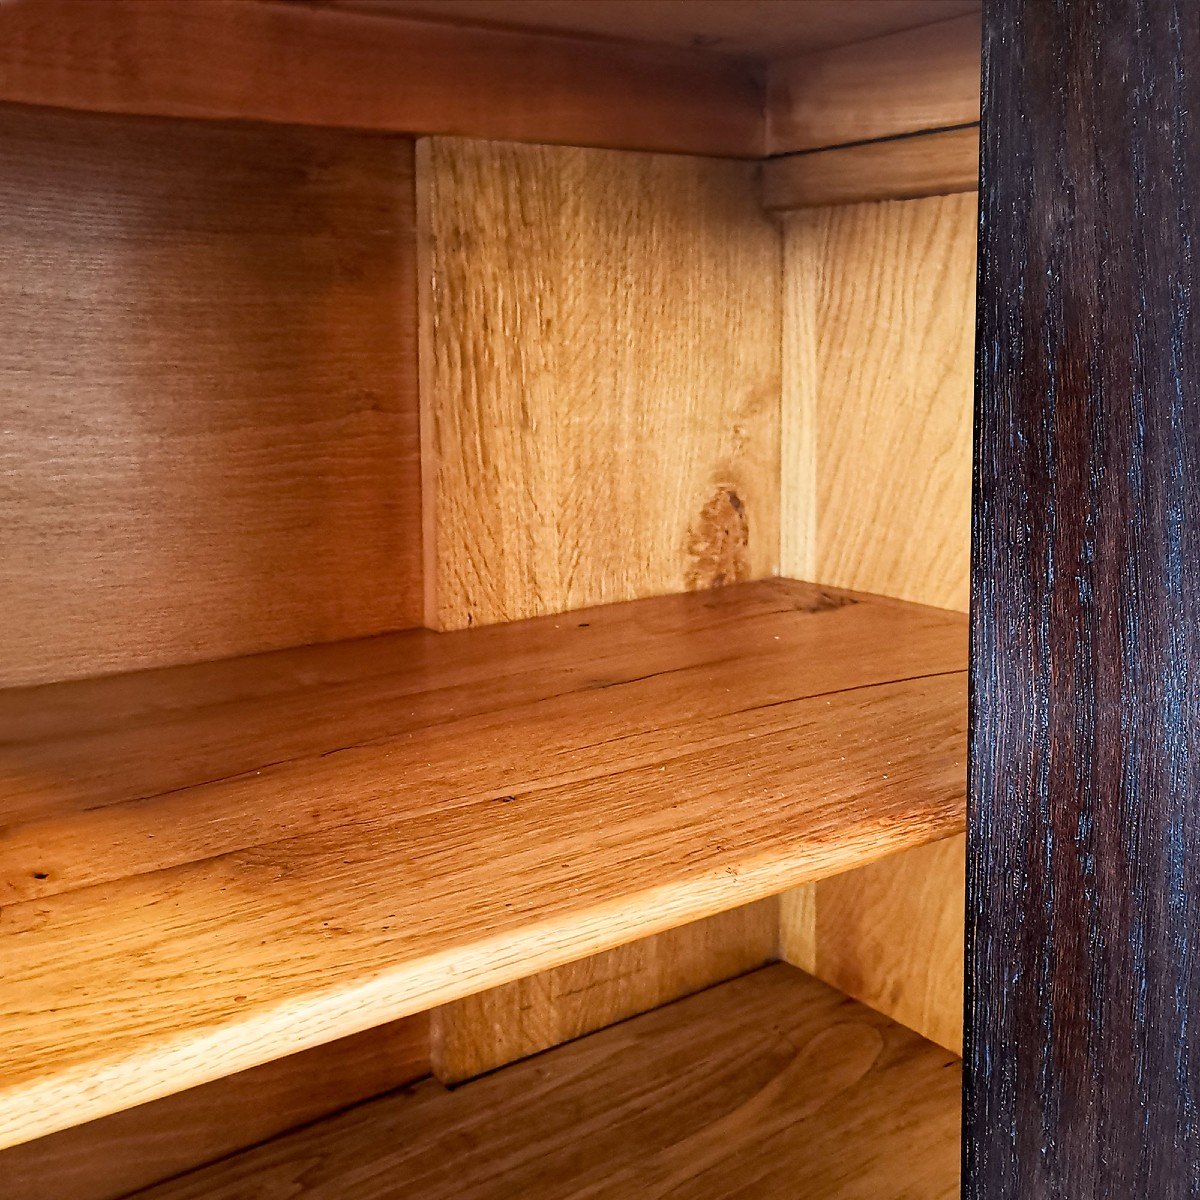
(504, 1024)
(308, 65)
(878, 353)
(889, 934)
(109, 1158)
(752, 28)
(217, 863)
(770, 1087)
(676, 417)
(926, 78)
(208, 391)
(1083, 1042)
(926, 164)
(798, 926)
(600, 377)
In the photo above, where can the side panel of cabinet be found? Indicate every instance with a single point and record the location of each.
(879, 337)
(1083, 1047)
(878, 350)
(600, 373)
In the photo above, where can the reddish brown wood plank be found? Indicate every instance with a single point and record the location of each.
(305, 65)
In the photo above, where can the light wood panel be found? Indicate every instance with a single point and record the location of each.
(487, 1030)
(770, 1087)
(454, 813)
(926, 78)
(925, 164)
(878, 356)
(110, 1158)
(600, 378)
(798, 927)
(303, 64)
(878, 359)
(761, 28)
(891, 935)
(208, 443)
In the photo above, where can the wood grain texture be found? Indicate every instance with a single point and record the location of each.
(208, 410)
(798, 927)
(769, 1087)
(890, 935)
(306, 65)
(926, 78)
(499, 1026)
(878, 349)
(109, 1158)
(925, 164)
(1084, 893)
(600, 378)
(376, 829)
(752, 28)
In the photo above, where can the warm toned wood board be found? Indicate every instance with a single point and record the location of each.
(110, 1158)
(73, 748)
(798, 925)
(926, 78)
(487, 1030)
(302, 64)
(208, 373)
(924, 164)
(878, 360)
(889, 934)
(600, 377)
(501, 802)
(770, 1087)
(758, 28)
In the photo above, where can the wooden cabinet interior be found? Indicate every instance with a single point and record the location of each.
(281, 385)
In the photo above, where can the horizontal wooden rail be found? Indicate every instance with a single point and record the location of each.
(926, 164)
(926, 78)
(308, 65)
(305, 65)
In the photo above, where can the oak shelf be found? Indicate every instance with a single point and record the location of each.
(208, 867)
(771, 1087)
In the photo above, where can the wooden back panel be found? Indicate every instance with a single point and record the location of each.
(208, 414)
(600, 377)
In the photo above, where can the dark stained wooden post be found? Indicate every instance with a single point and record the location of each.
(1083, 1009)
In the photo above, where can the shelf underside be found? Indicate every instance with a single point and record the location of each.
(206, 868)
(770, 1087)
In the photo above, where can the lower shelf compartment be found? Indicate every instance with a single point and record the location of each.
(208, 868)
(771, 1086)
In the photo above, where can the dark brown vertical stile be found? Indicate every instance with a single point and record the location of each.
(1083, 1053)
